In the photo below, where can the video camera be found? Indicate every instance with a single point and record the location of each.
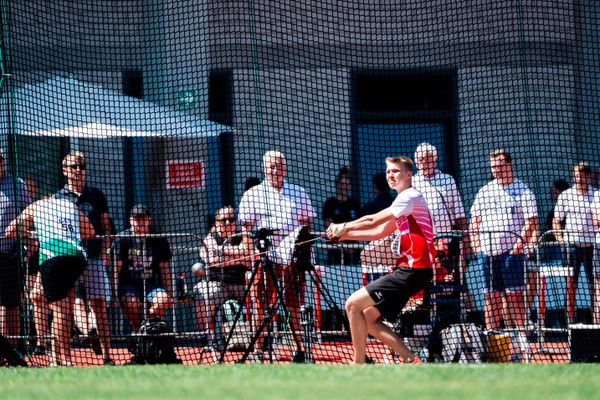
(261, 238)
(294, 248)
(302, 245)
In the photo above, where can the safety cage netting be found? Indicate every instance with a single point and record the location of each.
(170, 169)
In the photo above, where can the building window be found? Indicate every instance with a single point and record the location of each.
(133, 84)
(404, 94)
(220, 97)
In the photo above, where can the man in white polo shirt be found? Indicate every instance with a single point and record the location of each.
(596, 220)
(277, 205)
(444, 201)
(439, 189)
(505, 214)
(574, 208)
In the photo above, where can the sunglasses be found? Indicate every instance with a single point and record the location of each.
(76, 166)
(229, 219)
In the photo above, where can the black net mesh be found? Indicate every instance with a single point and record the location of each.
(155, 118)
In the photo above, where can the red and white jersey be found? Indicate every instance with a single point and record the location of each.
(414, 245)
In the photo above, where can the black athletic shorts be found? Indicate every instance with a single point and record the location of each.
(10, 280)
(391, 292)
(59, 275)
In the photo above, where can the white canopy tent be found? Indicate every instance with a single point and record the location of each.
(52, 107)
(116, 131)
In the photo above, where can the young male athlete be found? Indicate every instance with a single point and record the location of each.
(386, 296)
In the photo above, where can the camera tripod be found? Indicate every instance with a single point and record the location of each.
(264, 266)
(303, 265)
(299, 265)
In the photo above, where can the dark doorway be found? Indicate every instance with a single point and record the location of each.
(393, 112)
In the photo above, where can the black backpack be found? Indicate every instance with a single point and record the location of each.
(8, 356)
(149, 347)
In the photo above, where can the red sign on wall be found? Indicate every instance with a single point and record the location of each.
(185, 174)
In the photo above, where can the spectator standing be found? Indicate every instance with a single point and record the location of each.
(504, 216)
(278, 205)
(574, 209)
(14, 197)
(342, 208)
(93, 204)
(445, 203)
(549, 252)
(439, 189)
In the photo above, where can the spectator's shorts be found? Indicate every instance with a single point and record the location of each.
(95, 281)
(504, 273)
(216, 293)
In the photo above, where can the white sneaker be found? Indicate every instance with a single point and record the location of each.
(257, 357)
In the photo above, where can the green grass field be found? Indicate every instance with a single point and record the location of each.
(430, 381)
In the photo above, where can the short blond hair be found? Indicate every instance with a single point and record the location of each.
(74, 155)
(406, 162)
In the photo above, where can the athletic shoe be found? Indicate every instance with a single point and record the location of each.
(298, 356)
(42, 350)
(109, 361)
(416, 360)
(54, 364)
(76, 332)
(94, 341)
(257, 356)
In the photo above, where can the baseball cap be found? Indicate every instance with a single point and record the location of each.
(139, 209)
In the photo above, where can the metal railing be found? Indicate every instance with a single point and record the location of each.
(557, 261)
(546, 261)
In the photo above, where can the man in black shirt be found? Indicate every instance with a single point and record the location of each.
(93, 204)
(142, 259)
(342, 208)
(383, 197)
